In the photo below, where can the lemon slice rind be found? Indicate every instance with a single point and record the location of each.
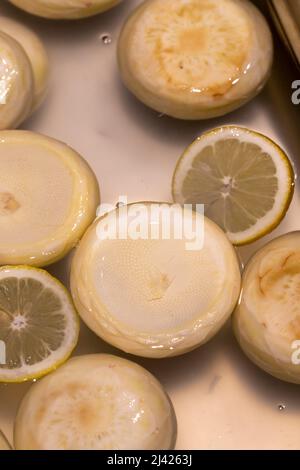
(284, 174)
(71, 330)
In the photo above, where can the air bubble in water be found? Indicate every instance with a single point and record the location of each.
(106, 38)
(281, 407)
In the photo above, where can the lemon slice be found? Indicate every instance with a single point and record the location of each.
(38, 323)
(266, 322)
(4, 445)
(245, 180)
(155, 296)
(96, 402)
(48, 197)
(36, 53)
(65, 9)
(195, 59)
(16, 83)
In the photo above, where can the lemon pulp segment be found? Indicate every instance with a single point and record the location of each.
(36, 53)
(155, 297)
(245, 180)
(16, 83)
(4, 445)
(195, 59)
(96, 402)
(38, 323)
(65, 9)
(48, 197)
(267, 320)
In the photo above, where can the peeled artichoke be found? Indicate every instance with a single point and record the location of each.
(195, 59)
(267, 320)
(65, 9)
(36, 53)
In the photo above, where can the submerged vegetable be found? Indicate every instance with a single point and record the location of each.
(65, 9)
(267, 320)
(96, 402)
(195, 59)
(48, 198)
(155, 294)
(16, 83)
(36, 53)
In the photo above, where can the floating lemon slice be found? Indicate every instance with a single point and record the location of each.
(48, 197)
(267, 322)
(38, 323)
(36, 53)
(96, 402)
(4, 445)
(16, 83)
(195, 59)
(155, 294)
(245, 180)
(65, 9)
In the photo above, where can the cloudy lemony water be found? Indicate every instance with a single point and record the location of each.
(221, 399)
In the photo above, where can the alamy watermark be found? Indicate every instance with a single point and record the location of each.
(296, 92)
(152, 221)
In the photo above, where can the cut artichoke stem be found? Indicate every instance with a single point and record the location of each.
(155, 296)
(96, 402)
(195, 59)
(267, 321)
(65, 9)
